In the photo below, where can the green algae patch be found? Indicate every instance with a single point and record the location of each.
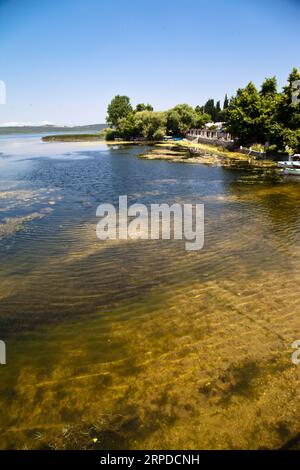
(12, 225)
(73, 138)
(191, 152)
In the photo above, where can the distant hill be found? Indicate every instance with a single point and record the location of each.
(50, 129)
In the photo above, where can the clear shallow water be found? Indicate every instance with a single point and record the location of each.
(142, 344)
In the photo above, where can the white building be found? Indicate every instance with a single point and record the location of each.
(211, 131)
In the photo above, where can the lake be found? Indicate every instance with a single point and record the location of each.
(141, 344)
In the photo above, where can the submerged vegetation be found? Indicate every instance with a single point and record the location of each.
(122, 350)
(186, 151)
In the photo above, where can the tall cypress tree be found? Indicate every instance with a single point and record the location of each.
(218, 111)
(226, 102)
(209, 108)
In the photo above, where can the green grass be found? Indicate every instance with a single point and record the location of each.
(72, 137)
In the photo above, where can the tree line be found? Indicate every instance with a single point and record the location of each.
(267, 116)
(264, 116)
(143, 122)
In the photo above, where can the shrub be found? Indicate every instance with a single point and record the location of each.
(110, 134)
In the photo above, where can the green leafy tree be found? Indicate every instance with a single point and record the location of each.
(152, 125)
(269, 99)
(199, 109)
(118, 109)
(269, 87)
(289, 108)
(244, 116)
(283, 120)
(266, 116)
(143, 124)
(143, 107)
(200, 118)
(128, 127)
(110, 134)
(159, 134)
(181, 119)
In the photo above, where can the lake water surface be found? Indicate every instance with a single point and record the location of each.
(142, 344)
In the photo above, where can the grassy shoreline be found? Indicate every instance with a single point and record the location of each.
(191, 152)
(72, 138)
(184, 151)
(92, 138)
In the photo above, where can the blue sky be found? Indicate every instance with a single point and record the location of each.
(63, 60)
